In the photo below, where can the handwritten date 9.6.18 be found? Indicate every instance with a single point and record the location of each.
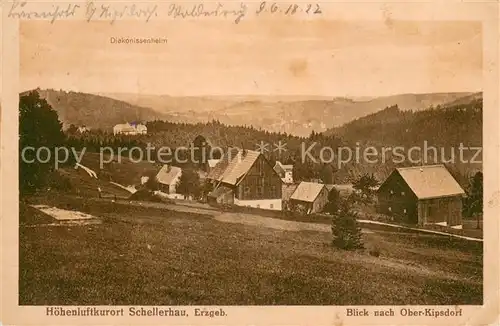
(288, 9)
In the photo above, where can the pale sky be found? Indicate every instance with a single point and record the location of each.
(331, 58)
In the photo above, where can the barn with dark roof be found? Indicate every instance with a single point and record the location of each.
(422, 195)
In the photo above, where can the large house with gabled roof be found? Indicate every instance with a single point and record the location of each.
(245, 178)
(422, 195)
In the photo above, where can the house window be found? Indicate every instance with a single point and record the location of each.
(260, 191)
(247, 190)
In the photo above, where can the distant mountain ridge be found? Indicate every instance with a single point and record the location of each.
(297, 115)
(376, 127)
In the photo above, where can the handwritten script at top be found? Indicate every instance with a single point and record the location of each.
(90, 10)
(147, 11)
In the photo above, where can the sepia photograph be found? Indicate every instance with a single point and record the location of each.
(283, 181)
(248, 154)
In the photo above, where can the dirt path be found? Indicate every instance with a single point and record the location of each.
(65, 217)
(174, 207)
(274, 223)
(269, 222)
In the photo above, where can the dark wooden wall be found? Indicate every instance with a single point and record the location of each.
(320, 201)
(395, 198)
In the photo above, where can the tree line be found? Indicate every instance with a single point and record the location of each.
(39, 126)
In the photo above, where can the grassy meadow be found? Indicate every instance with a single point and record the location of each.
(155, 256)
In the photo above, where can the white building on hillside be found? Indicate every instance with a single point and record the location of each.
(83, 129)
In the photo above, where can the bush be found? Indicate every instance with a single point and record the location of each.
(59, 182)
(345, 229)
(189, 184)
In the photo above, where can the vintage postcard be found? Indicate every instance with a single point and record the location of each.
(261, 163)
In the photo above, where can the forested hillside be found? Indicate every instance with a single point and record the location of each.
(446, 128)
(283, 114)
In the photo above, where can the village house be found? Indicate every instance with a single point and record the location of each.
(422, 195)
(245, 178)
(168, 178)
(130, 129)
(202, 152)
(309, 197)
(285, 171)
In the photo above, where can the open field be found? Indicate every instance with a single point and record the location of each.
(146, 255)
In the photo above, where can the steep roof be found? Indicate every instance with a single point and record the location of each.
(344, 189)
(233, 166)
(430, 181)
(204, 139)
(307, 191)
(167, 174)
(283, 167)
